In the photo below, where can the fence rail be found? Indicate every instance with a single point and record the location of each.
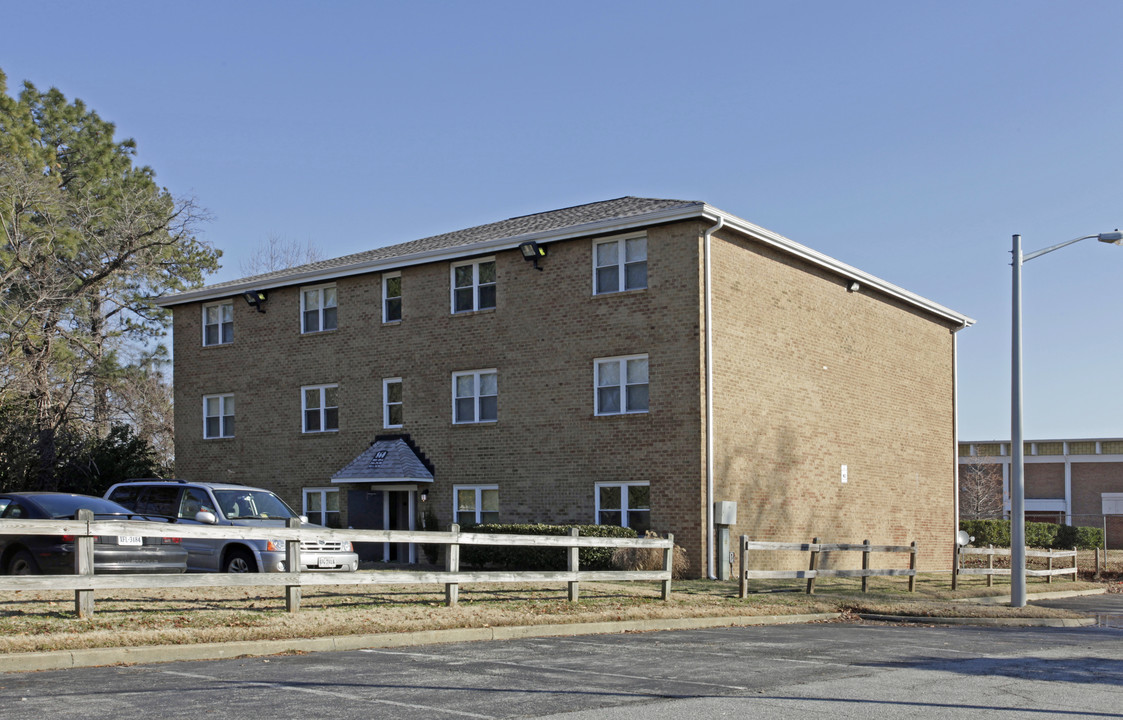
(84, 582)
(990, 570)
(814, 548)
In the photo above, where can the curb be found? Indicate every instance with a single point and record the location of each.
(93, 657)
(987, 622)
(1005, 599)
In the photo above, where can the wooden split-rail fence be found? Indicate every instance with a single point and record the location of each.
(814, 571)
(84, 582)
(990, 570)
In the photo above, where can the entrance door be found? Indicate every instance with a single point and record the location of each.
(383, 509)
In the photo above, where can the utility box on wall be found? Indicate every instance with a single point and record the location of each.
(725, 514)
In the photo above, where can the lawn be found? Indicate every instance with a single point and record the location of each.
(38, 621)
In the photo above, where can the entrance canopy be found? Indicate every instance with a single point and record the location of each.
(387, 460)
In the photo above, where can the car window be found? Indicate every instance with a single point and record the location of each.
(159, 500)
(252, 503)
(194, 501)
(4, 502)
(126, 495)
(14, 510)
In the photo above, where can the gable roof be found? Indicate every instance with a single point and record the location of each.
(388, 459)
(607, 216)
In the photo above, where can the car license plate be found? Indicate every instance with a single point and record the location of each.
(325, 562)
(129, 540)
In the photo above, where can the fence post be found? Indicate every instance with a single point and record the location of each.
(743, 583)
(1049, 577)
(668, 565)
(912, 566)
(292, 564)
(1096, 574)
(1075, 572)
(452, 564)
(574, 555)
(990, 565)
(812, 566)
(865, 565)
(84, 565)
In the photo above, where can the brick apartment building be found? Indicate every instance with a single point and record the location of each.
(1073, 482)
(474, 376)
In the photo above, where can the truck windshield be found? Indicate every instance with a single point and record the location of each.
(251, 504)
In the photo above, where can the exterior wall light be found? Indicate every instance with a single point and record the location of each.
(425, 495)
(255, 298)
(532, 251)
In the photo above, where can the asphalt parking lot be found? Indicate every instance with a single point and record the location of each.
(841, 669)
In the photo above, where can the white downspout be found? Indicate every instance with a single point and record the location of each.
(710, 566)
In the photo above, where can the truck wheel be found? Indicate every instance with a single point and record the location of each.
(240, 561)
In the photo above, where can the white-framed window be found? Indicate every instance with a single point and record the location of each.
(627, 504)
(619, 264)
(318, 309)
(475, 396)
(391, 297)
(321, 506)
(621, 385)
(218, 323)
(392, 402)
(1112, 503)
(475, 504)
(473, 285)
(218, 416)
(320, 408)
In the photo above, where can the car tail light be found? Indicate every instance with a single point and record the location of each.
(68, 538)
(169, 541)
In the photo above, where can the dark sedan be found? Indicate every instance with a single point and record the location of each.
(54, 554)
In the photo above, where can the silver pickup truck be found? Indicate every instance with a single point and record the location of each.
(227, 504)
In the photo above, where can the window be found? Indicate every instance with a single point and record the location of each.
(321, 408)
(194, 501)
(391, 297)
(619, 265)
(321, 506)
(624, 504)
(476, 504)
(473, 286)
(621, 385)
(392, 402)
(218, 416)
(318, 309)
(218, 323)
(475, 396)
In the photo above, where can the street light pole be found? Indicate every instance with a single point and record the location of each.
(1017, 442)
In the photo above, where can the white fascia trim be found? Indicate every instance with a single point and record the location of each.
(828, 263)
(380, 481)
(601, 227)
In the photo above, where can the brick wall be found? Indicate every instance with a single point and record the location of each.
(810, 377)
(547, 449)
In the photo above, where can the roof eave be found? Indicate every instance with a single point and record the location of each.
(826, 262)
(611, 225)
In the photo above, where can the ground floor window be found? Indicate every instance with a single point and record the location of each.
(475, 504)
(627, 504)
(321, 506)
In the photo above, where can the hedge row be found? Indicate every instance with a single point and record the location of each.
(1039, 535)
(506, 557)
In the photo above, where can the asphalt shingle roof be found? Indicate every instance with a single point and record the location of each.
(387, 459)
(512, 227)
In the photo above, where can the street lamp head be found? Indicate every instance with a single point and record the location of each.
(1115, 238)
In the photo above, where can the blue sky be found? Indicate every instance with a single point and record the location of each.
(910, 139)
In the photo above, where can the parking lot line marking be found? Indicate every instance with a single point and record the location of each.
(330, 693)
(555, 668)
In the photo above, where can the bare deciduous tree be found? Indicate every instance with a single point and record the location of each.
(980, 489)
(278, 253)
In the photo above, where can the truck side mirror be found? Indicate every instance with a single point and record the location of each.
(205, 517)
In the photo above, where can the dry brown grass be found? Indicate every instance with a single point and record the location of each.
(651, 559)
(35, 621)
